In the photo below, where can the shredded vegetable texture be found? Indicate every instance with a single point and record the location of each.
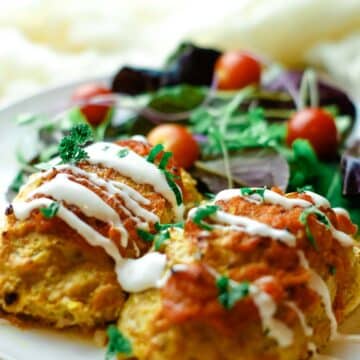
(230, 292)
(304, 217)
(202, 213)
(50, 211)
(118, 343)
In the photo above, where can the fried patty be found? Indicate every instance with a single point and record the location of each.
(50, 274)
(185, 320)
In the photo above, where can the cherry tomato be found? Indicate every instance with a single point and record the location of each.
(94, 113)
(236, 69)
(178, 140)
(317, 126)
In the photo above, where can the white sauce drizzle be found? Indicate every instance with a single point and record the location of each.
(287, 203)
(308, 330)
(135, 167)
(134, 275)
(317, 284)
(130, 196)
(270, 197)
(249, 226)
(61, 188)
(267, 309)
(140, 138)
(140, 274)
(22, 211)
(341, 211)
(318, 200)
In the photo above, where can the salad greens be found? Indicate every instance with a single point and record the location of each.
(242, 133)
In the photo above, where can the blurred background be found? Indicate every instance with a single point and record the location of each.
(49, 42)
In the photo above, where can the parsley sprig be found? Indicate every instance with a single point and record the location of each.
(230, 292)
(118, 343)
(161, 236)
(202, 213)
(320, 216)
(246, 191)
(170, 178)
(70, 147)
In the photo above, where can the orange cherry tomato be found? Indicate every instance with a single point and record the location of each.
(94, 113)
(318, 127)
(236, 69)
(178, 140)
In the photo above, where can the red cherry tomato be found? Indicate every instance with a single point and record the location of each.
(94, 113)
(178, 140)
(317, 126)
(236, 69)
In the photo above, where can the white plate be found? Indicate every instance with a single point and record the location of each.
(16, 344)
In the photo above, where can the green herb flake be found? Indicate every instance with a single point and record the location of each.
(319, 216)
(161, 238)
(145, 235)
(165, 160)
(202, 213)
(305, 188)
(332, 269)
(154, 152)
(118, 343)
(170, 180)
(123, 153)
(18, 181)
(230, 292)
(50, 211)
(253, 191)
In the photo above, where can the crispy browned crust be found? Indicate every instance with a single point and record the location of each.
(184, 320)
(50, 274)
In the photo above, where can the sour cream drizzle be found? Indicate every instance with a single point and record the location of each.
(272, 197)
(278, 330)
(250, 226)
(61, 188)
(317, 284)
(67, 188)
(308, 330)
(136, 168)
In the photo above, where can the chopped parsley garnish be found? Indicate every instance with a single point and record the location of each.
(154, 152)
(70, 149)
(123, 152)
(332, 269)
(118, 343)
(202, 213)
(253, 191)
(319, 216)
(145, 235)
(170, 180)
(165, 159)
(305, 188)
(50, 211)
(161, 238)
(18, 181)
(231, 292)
(160, 227)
